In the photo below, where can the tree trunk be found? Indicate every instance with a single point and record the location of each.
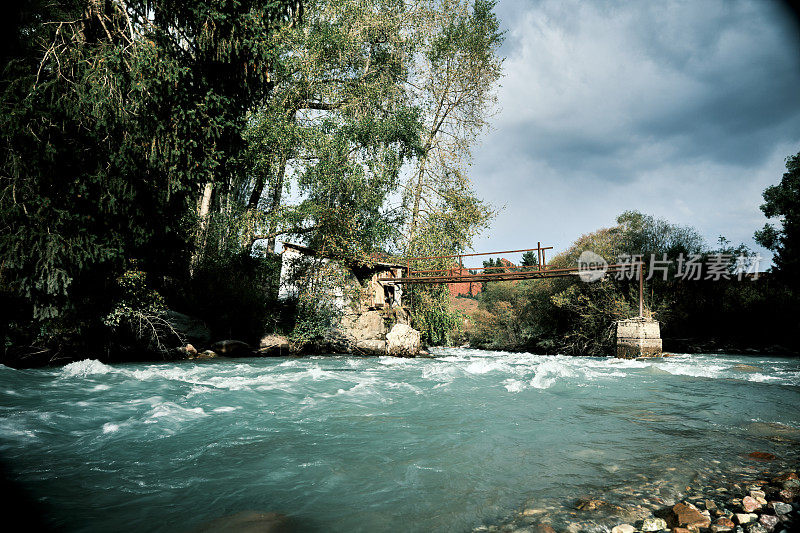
(277, 192)
(203, 209)
(417, 197)
(258, 190)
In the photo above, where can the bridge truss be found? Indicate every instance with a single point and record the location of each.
(457, 273)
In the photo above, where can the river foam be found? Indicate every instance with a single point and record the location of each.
(351, 443)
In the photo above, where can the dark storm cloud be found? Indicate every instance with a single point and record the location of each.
(621, 99)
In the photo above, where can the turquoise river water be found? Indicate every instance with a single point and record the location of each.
(466, 439)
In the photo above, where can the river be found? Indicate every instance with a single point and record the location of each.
(466, 439)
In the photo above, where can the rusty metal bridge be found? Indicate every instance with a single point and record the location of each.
(457, 273)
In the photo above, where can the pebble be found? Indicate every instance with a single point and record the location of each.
(768, 521)
(623, 528)
(654, 524)
(745, 518)
(724, 522)
(590, 504)
(533, 512)
(749, 504)
(781, 508)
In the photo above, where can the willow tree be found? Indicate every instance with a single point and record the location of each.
(116, 114)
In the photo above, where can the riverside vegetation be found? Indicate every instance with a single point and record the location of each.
(565, 315)
(153, 152)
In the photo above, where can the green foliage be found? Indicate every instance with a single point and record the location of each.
(530, 259)
(112, 119)
(335, 130)
(783, 200)
(171, 131)
(568, 316)
(140, 313)
(323, 288)
(500, 326)
(437, 323)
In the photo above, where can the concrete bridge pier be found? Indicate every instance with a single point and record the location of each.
(638, 337)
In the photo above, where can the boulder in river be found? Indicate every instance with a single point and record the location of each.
(370, 347)
(403, 341)
(368, 325)
(232, 348)
(208, 354)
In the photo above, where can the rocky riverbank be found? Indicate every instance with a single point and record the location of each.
(744, 500)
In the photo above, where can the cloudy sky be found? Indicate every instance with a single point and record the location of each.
(684, 110)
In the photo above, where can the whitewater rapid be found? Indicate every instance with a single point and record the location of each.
(360, 444)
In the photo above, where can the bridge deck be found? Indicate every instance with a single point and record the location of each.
(518, 273)
(459, 274)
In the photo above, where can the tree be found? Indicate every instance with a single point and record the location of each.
(336, 129)
(783, 200)
(119, 118)
(453, 83)
(530, 259)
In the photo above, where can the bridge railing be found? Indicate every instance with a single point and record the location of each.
(456, 274)
(458, 259)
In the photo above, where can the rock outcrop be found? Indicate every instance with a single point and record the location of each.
(403, 341)
(274, 346)
(368, 333)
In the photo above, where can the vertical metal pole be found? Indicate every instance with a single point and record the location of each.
(544, 261)
(641, 289)
(539, 254)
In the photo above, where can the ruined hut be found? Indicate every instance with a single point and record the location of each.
(372, 311)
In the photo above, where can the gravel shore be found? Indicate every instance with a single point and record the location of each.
(743, 500)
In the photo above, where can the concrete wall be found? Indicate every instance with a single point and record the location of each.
(638, 337)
